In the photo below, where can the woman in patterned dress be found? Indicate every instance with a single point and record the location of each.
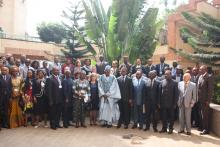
(81, 89)
(16, 118)
(29, 96)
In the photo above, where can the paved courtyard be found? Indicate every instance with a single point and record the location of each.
(100, 137)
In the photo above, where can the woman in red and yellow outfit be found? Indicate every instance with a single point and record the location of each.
(15, 111)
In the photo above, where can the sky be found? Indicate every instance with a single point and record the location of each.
(51, 11)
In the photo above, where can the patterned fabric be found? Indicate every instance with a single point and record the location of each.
(106, 82)
(80, 87)
(15, 113)
(28, 98)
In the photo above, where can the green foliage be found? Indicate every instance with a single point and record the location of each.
(217, 91)
(127, 28)
(51, 32)
(207, 36)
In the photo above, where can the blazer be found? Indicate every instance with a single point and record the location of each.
(134, 69)
(54, 91)
(187, 97)
(168, 94)
(158, 69)
(148, 69)
(67, 89)
(5, 87)
(138, 91)
(152, 93)
(205, 88)
(126, 88)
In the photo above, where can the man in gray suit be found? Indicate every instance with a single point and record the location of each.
(138, 99)
(187, 99)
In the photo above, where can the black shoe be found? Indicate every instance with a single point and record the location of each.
(119, 126)
(155, 130)
(53, 128)
(84, 126)
(65, 126)
(170, 131)
(204, 132)
(58, 126)
(163, 131)
(134, 126)
(140, 127)
(188, 133)
(180, 132)
(109, 126)
(125, 127)
(146, 129)
(104, 125)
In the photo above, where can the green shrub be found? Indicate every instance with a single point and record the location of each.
(216, 98)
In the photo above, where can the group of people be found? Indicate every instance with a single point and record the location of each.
(121, 94)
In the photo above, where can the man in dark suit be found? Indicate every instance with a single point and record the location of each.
(138, 99)
(55, 98)
(137, 66)
(5, 94)
(205, 94)
(67, 86)
(149, 67)
(100, 67)
(151, 100)
(160, 68)
(126, 64)
(168, 101)
(195, 110)
(125, 85)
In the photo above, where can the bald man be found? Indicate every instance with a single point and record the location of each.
(187, 99)
(205, 94)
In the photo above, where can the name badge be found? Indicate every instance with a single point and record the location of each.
(60, 86)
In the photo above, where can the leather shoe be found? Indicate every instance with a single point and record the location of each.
(180, 132)
(134, 126)
(170, 132)
(204, 132)
(162, 131)
(188, 133)
(146, 129)
(126, 127)
(155, 130)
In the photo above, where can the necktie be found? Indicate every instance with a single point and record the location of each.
(5, 77)
(151, 85)
(138, 82)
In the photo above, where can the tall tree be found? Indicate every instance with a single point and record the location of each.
(77, 45)
(205, 39)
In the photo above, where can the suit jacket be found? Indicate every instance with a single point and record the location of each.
(138, 92)
(205, 88)
(148, 69)
(128, 66)
(54, 91)
(168, 94)
(152, 93)
(5, 87)
(67, 90)
(134, 69)
(100, 67)
(187, 97)
(158, 69)
(126, 88)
